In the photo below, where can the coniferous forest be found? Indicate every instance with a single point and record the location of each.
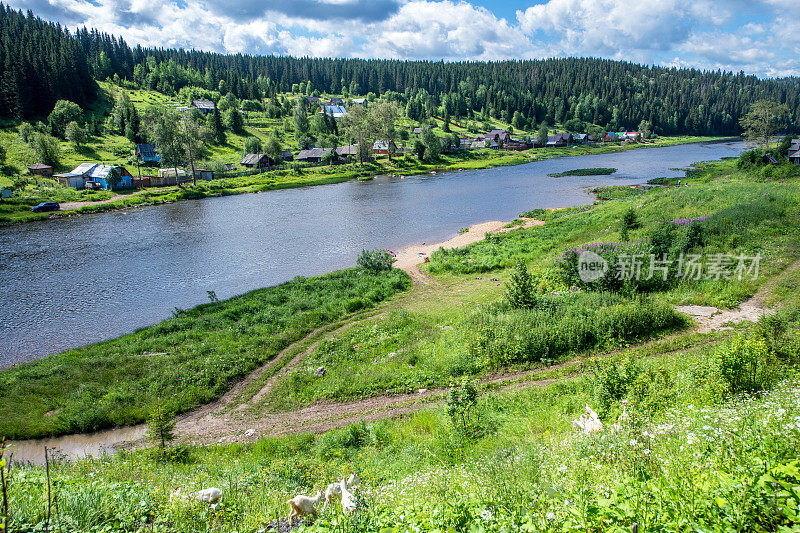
(43, 62)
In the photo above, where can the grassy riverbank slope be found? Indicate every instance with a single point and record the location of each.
(700, 449)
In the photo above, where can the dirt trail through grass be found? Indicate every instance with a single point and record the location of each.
(713, 319)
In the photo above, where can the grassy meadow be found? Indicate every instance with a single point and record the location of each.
(710, 442)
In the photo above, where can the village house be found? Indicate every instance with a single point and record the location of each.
(336, 101)
(381, 147)
(347, 152)
(203, 174)
(518, 145)
(286, 155)
(205, 106)
(794, 152)
(559, 140)
(146, 153)
(312, 100)
(478, 144)
(580, 138)
(335, 111)
(500, 136)
(94, 176)
(256, 161)
(359, 101)
(417, 131)
(39, 169)
(312, 155)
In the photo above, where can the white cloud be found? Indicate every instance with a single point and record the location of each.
(446, 30)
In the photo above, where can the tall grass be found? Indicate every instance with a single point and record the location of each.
(183, 362)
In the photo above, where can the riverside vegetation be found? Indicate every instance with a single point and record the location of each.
(711, 442)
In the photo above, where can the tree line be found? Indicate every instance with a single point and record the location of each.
(43, 62)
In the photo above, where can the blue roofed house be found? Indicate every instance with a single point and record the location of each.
(94, 176)
(335, 111)
(147, 153)
(111, 177)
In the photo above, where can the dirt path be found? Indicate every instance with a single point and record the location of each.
(71, 206)
(713, 319)
(235, 399)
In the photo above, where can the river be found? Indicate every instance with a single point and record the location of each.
(73, 281)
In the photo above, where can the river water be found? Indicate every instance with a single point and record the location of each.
(73, 281)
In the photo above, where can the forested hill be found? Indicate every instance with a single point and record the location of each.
(42, 62)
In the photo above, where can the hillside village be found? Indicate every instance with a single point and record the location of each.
(145, 168)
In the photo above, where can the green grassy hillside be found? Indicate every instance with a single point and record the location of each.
(710, 441)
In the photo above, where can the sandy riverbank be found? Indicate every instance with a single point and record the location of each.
(411, 257)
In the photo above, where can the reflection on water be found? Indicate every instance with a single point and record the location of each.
(74, 446)
(69, 282)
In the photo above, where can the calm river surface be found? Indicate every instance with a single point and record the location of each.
(69, 282)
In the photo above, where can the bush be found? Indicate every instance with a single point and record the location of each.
(562, 325)
(47, 149)
(63, 113)
(662, 237)
(375, 260)
(252, 145)
(461, 403)
(747, 364)
(629, 222)
(519, 293)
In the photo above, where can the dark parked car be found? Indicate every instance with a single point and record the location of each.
(45, 206)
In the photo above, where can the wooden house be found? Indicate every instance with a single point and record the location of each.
(256, 161)
(382, 147)
(40, 169)
(499, 136)
(205, 106)
(312, 155)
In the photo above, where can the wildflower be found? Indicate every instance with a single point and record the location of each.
(551, 515)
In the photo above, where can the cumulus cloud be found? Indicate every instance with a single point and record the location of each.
(752, 35)
(446, 30)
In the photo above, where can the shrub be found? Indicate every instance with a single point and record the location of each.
(63, 113)
(562, 325)
(160, 427)
(662, 237)
(747, 364)
(629, 222)
(252, 145)
(461, 403)
(375, 260)
(519, 293)
(47, 149)
(612, 383)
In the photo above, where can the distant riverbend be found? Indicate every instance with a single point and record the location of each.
(73, 281)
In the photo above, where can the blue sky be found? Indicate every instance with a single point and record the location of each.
(755, 36)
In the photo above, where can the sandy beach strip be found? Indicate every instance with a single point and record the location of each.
(415, 255)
